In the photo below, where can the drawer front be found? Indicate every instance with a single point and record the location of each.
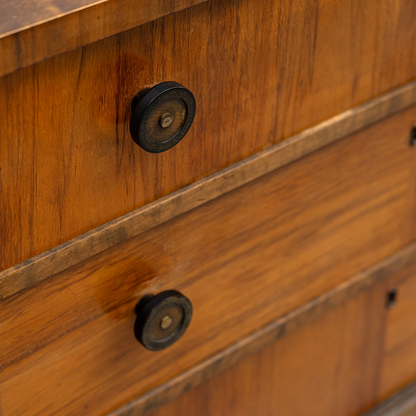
(260, 72)
(326, 368)
(346, 361)
(243, 260)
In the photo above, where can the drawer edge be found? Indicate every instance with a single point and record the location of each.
(29, 42)
(401, 404)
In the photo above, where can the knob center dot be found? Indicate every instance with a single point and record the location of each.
(166, 120)
(166, 322)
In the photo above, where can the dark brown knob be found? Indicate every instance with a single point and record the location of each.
(162, 319)
(161, 116)
(413, 135)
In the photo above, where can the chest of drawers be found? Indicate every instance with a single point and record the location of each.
(286, 215)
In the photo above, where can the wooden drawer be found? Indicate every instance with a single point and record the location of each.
(345, 361)
(260, 71)
(326, 368)
(243, 260)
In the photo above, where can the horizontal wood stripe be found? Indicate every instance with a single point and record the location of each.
(26, 29)
(272, 332)
(130, 225)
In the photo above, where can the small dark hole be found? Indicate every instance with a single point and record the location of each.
(413, 136)
(391, 297)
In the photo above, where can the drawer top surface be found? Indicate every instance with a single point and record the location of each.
(32, 31)
(16, 16)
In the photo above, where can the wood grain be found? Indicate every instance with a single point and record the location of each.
(130, 225)
(285, 325)
(324, 369)
(68, 163)
(390, 348)
(27, 28)
(243, 259)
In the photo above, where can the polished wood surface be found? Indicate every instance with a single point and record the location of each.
(32, 31)
(288, 323)
(130, 225)
(68, 163)
(324, 369)
(350, 205)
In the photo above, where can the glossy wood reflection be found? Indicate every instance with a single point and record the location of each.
(239, 260)
(67, 161)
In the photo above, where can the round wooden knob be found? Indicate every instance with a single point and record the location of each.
(161, 116)
(162, 319)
